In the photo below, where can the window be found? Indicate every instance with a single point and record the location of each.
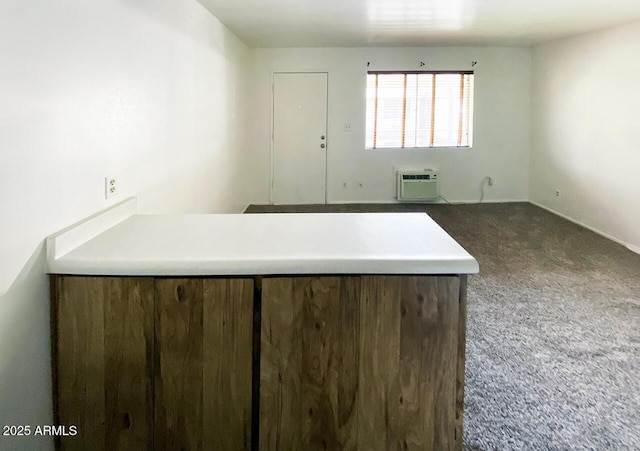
(419, 109)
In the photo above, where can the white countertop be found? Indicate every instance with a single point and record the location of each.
(268, 244)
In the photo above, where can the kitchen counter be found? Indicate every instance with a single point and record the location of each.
(268, 331)
(265, 244)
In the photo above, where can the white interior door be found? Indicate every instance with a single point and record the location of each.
(299, 138)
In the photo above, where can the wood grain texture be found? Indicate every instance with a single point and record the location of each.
(347, 349)
(417, 377)
(80, 366)
(309, 363)
(346, 362)
(445, 341)
(227, 372)
(281, 365)
(178, 360)
(108, 376)
(103, 362)
(128, 338)
(462, 342)
(379, 422)
(320, 325)
(53, 324)
(408, 362)
(329, 362)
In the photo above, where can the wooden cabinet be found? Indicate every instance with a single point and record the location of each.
(362, 363)
(309, 363)
(313, 363)
(204, 331)
(143, 363)
(103, 361)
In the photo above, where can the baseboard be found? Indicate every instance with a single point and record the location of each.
(440, 201)
(365, 202)
(633, 248)
(629, 246)
(396, 202)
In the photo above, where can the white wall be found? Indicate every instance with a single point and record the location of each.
(149, 90)
(502, 117)
(586, 133)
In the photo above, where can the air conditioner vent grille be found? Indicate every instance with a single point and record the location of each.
(418, 185)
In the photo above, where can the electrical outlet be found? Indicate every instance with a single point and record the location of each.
(347, 127)
(489, 181)
(558, 193)
(110, 186)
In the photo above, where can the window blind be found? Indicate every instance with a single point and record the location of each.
(419, 109)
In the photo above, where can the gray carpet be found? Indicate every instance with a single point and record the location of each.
(553, 340)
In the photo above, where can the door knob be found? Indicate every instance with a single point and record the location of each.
(322, 145)
(322, 137)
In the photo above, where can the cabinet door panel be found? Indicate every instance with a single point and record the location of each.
(367, 362)
(228, 338)
(203, 357)
(309, 363)
(280, 366)
(102, 339)
(128, 346)
(178, 375)
(408, 363)
(378, 390)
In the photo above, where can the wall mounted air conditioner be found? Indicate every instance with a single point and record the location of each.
(416, 185)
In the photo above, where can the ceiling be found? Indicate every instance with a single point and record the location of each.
(357, 23)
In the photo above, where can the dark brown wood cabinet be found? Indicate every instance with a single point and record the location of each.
(337, 362)
(144, 363)
(203, 359)
(362, 363)
(103, 361)
(309, 363)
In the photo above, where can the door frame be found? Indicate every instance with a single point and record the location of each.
(272, 149)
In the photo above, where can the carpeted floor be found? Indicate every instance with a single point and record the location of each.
(553, 340)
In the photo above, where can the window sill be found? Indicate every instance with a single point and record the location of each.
(419, 148)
